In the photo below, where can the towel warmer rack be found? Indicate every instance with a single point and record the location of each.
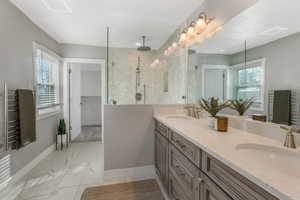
(11, 119)
(295, 112)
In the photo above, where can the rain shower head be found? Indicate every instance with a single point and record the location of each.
(144, 47)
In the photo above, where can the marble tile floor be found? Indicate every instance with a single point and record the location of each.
(62, 175)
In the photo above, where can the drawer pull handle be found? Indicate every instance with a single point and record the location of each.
(181, 173)
(200, 180)
(180, 144)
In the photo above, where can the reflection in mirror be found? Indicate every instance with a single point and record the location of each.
(266, 69)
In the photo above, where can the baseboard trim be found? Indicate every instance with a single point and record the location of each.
(25, 170)
(136, 173)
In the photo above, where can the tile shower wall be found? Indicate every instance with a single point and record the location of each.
(175, 67)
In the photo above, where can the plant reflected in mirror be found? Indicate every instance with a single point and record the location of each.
(241, 106)
(213, 106)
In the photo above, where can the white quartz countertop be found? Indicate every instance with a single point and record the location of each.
(276, 172)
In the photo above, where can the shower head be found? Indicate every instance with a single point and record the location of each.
(144, 47)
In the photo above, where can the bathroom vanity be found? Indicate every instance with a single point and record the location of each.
(194, 162)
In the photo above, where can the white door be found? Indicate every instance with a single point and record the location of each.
(214, 83)
(75, 100)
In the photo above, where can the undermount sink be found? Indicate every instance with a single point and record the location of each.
(281, 159)
(178, 117)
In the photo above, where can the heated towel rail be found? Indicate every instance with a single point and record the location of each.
(11, 122)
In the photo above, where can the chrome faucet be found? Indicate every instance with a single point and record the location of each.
(289, 141)
(193, 111)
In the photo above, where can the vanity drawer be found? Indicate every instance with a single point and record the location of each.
(237, 186)
(190, 150)
(162, 129)
(185, 172)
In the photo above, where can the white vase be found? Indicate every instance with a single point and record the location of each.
(62, 139)
(212, 122)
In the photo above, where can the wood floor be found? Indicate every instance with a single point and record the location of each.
(89, 134)
(139, 190)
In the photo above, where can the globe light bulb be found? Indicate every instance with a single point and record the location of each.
(175, 45)
(191, 32)
(200, 25)
(183, 36)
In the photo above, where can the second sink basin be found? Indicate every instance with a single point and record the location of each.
(286, 161)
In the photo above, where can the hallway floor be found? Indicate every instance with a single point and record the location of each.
(89, 134)
(62, 175)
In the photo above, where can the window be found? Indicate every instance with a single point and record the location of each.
(248, 82)
(47, 78)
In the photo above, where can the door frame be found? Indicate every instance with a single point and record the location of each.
(209, 66)
(66, 88)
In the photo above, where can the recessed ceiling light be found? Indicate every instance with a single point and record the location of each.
(221, 50)
(57, 6)
(138, 44)
(274, 31)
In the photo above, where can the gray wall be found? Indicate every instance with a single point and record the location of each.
(128, 136)
(16, 67)
(82, 51)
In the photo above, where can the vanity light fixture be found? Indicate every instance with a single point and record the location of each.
(196, 33)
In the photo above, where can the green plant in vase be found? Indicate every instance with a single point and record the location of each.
(213, 106)
(241, 106)
(61, 131)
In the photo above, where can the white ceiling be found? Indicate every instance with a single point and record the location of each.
(127, 19)
(252, 23)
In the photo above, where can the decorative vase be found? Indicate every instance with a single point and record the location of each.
(212, 122)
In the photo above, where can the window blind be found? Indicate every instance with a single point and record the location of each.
(47, 77)
(46, 96)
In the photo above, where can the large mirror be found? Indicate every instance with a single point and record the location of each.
(251, 61)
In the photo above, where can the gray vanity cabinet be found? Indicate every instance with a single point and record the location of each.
(188, 173)
(161, 158)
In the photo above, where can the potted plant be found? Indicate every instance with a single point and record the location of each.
(213, 106)
(241, 106)
(61, 133)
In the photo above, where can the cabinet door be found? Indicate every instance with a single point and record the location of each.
(175, 190)
(210, 191)
(161, 158)
(185, 173)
